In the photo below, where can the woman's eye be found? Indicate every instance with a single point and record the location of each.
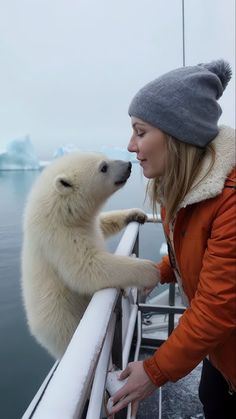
(140, 134)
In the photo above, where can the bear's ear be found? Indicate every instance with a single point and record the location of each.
(63, 184)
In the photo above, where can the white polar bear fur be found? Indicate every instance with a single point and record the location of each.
(64, 260)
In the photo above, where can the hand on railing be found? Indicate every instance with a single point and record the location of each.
(138, 387)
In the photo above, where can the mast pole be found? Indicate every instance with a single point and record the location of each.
(183, 33)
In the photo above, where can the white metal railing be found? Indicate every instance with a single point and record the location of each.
(85, 362)
(80, 376)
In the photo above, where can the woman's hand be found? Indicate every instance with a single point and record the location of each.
(138, 387)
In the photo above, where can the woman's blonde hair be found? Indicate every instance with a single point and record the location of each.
(183, 165)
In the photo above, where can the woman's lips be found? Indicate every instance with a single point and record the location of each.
(142, 162)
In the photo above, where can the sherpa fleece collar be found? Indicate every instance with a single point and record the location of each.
(212, 185)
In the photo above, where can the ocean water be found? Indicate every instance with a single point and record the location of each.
(23, 363)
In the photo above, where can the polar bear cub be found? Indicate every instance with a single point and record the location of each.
(64, 258)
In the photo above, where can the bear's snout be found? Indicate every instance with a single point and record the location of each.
(124, 172)
(129, 168)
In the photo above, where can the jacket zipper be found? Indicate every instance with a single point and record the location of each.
(230, 388)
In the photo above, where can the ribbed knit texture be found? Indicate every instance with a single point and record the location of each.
(183, 102)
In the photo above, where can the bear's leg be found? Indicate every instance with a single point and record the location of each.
(112, 271)
(112, 222)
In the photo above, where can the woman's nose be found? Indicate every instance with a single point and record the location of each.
(132, 146)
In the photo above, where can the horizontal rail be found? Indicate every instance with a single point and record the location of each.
(154, 219)
(33, 405)
(161, 309)
(69, 387)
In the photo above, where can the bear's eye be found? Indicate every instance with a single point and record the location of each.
(66, 184)
(104, 168)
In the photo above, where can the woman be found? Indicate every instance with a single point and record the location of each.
(190, 162)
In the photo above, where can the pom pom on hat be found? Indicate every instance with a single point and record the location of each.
(222, 69)
(183, 102)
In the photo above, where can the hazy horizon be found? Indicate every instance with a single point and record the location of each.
(70, 69)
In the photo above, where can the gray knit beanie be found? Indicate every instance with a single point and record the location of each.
(183, 102)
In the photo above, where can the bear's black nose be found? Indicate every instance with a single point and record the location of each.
(129, 166)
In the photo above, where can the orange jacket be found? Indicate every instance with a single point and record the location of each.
(204, 242)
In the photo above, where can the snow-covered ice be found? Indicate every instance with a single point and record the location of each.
(19, 154)
(64, 149)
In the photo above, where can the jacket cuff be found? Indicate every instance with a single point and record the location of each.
(154, 372)
(166, 271)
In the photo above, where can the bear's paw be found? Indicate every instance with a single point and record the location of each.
(136, 215)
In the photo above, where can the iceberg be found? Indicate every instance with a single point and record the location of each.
(64, 149)
(19, 154)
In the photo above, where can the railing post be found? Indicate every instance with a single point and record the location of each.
(136, 246)
(117, 348)
(171, 322)
(117, 341)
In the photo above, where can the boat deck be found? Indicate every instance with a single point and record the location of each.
(179, 400)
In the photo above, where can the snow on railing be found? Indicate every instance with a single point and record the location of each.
(85, 362)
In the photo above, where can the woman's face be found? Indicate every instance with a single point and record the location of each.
(149, 143)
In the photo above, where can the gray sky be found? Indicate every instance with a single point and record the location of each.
(69, 68)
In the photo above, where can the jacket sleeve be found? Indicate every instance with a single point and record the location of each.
(211, 317)
(166, 271)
